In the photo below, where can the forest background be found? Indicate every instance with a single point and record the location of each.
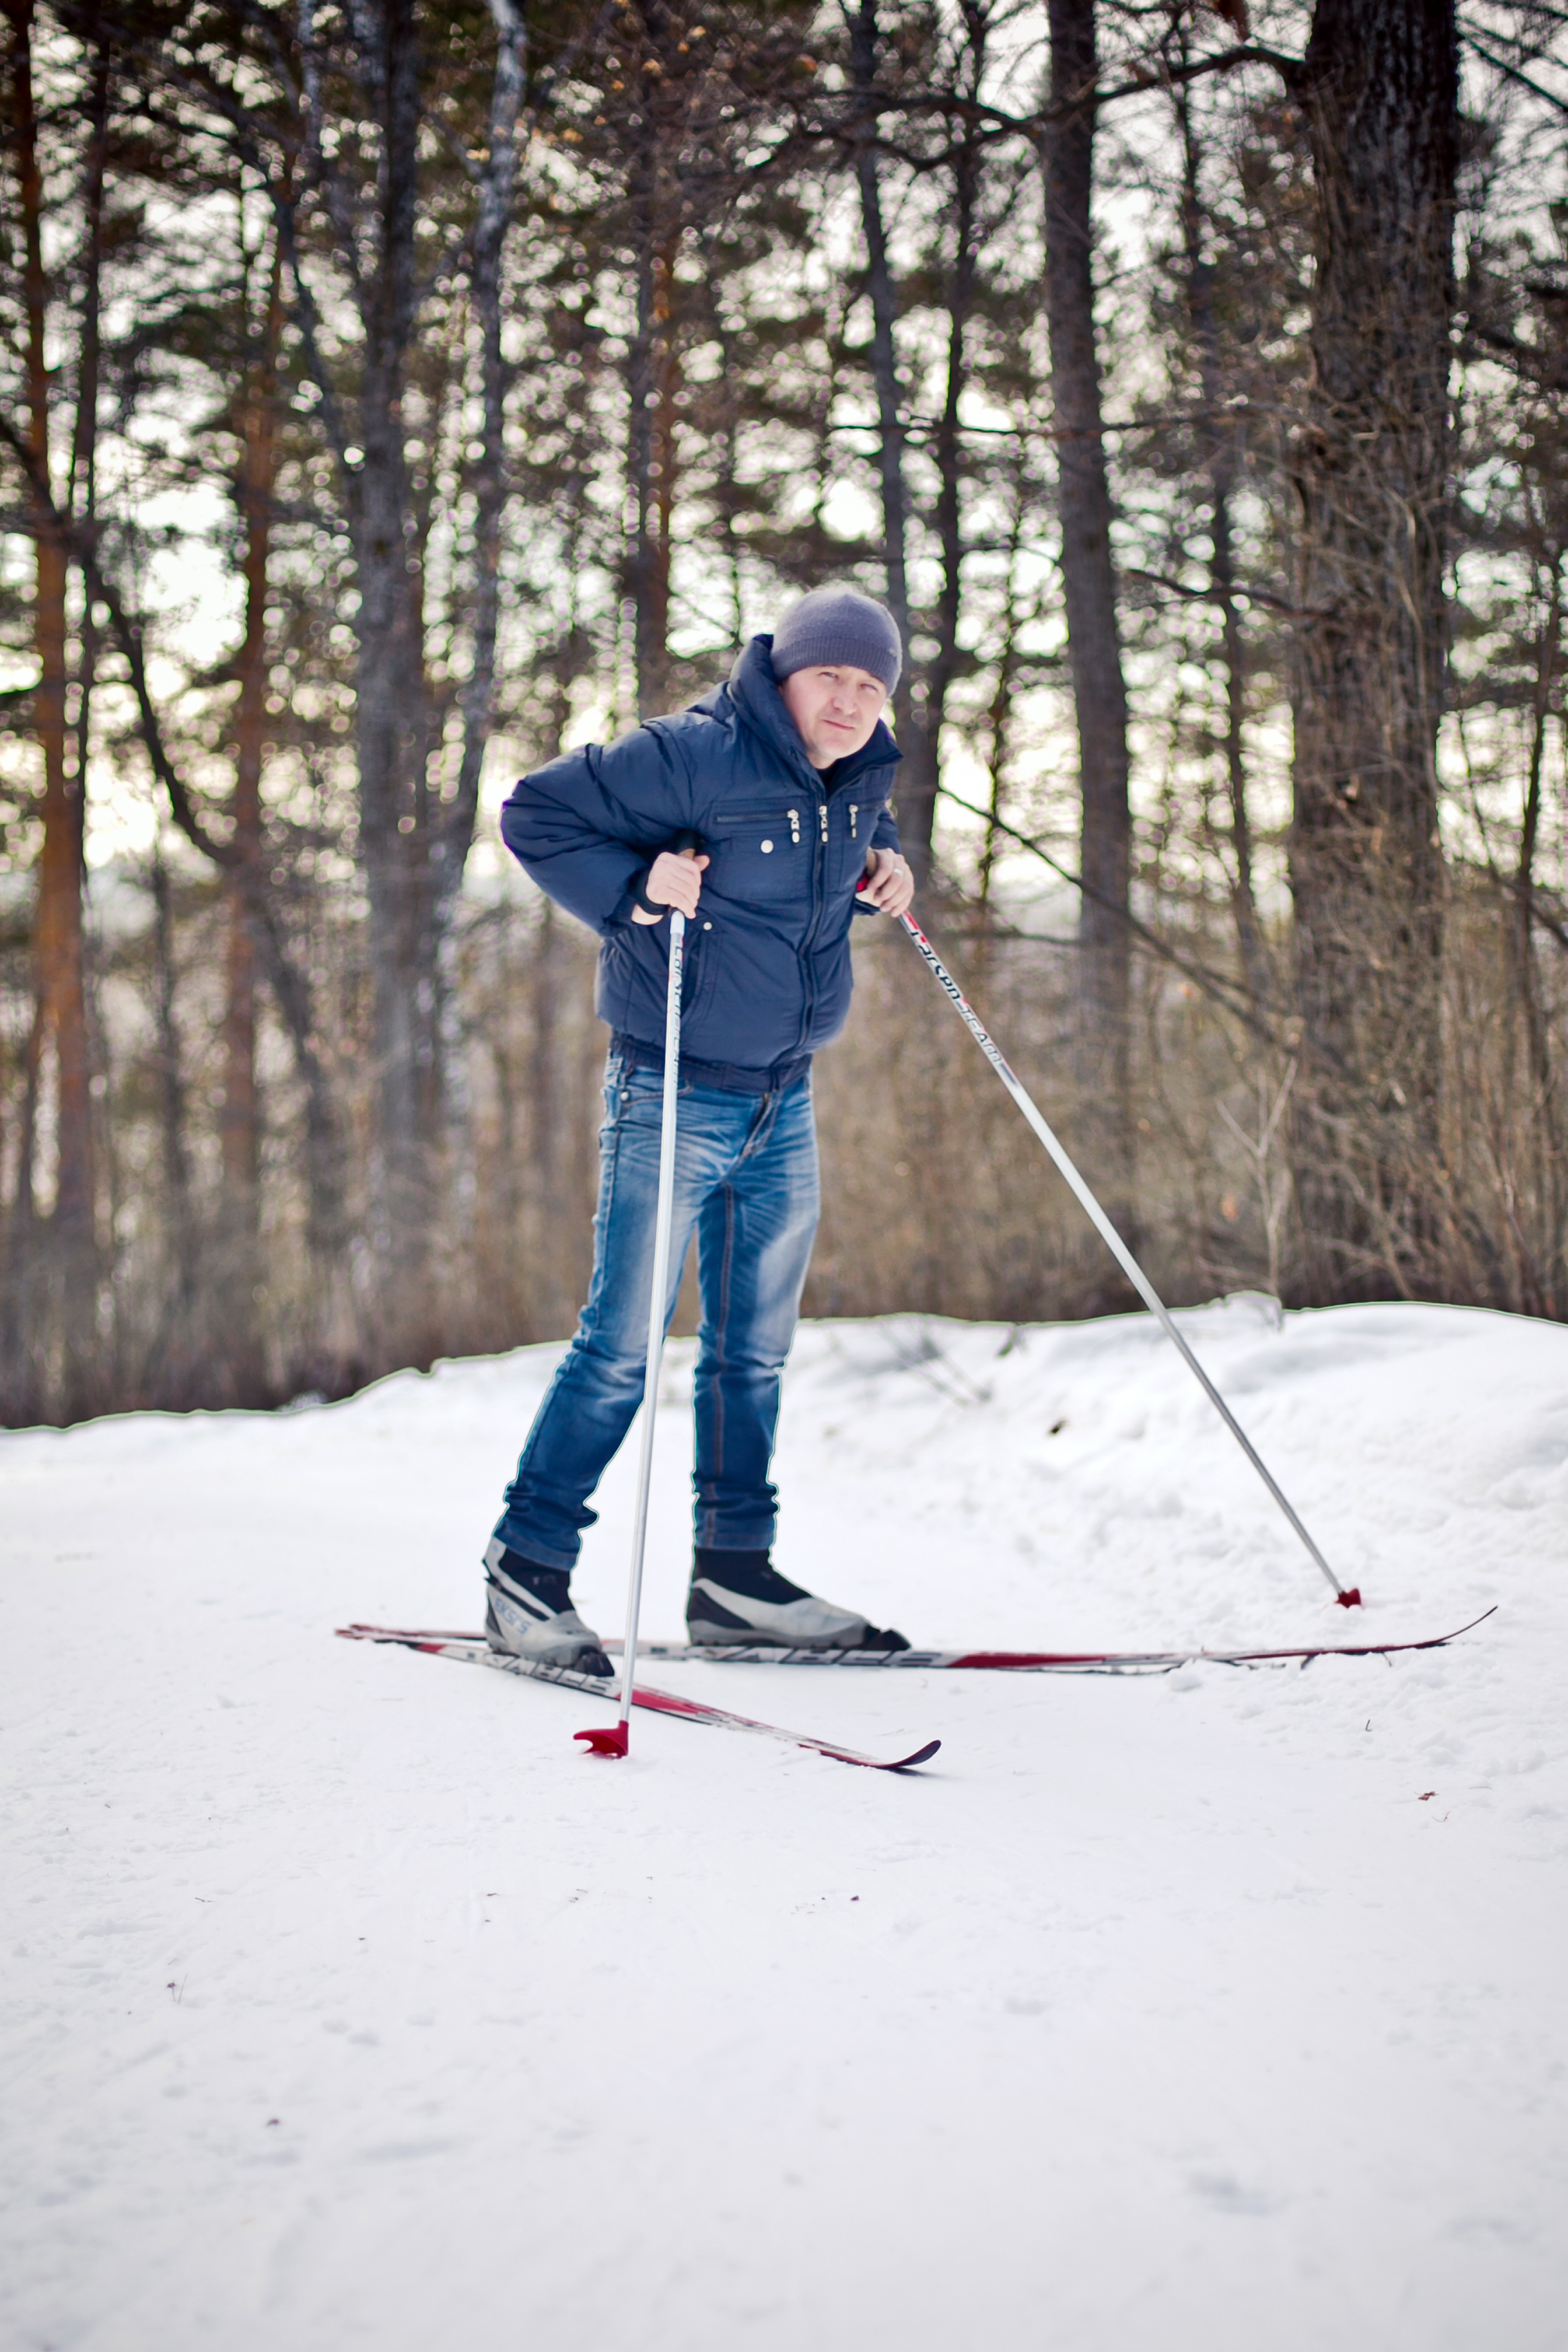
(393, 393)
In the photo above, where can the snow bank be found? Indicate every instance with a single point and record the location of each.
(348, 2002)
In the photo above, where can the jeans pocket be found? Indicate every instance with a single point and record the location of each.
(621, 1084)
(639, 1100)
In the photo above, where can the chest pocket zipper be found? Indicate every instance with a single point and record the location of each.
(793, 815)
(821, 814)
(854, 812)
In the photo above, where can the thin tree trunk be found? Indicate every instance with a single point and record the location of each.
(492, 480)
(1380, 86)
(1539, 1112)
(653, 472)
(917, 778)
(1089, 581)
(21, 1355)
(1000, 715)
(392, 716)
(948, 438)
(58, 964)
(81, 506)
(239, 1240)
(552, 1310)
(171, 1371)
(727, 398)
(648, 437)
(1222, 468)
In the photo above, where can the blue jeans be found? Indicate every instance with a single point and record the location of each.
(746, 1181)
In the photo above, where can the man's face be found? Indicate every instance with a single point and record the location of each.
(834, 710)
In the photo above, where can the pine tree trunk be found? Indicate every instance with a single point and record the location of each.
(947, 448)
(653, 380)
(1380, 88)
(239, 1239)
(174, 1372)
(1089, 581)
(1537, 1118)
(60, 1042)
(1221, 469)
(497, 196)
(393, 718)
(650, 394)
(917, 777)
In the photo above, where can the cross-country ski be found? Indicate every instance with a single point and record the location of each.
(975, 1661)
(474, 1650)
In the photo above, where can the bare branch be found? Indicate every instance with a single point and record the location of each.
(1214, 985)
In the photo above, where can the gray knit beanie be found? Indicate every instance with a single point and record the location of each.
(839, 627)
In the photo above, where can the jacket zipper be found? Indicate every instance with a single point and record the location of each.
(819, 895)
(793, 815)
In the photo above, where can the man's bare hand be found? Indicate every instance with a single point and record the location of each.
(672, 881)
(889, 886)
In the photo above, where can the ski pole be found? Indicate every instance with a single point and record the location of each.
(617, 1739)
(1348, 1597)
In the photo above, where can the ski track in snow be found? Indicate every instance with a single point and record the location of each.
(1155, 2014)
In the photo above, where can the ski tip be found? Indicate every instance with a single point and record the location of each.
(1349, 1600)
(921, 1756)
(434, 1642)
(611, 1740)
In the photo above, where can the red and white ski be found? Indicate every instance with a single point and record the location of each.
(1039, 1662)
(474, 1650)
(1015, 1661)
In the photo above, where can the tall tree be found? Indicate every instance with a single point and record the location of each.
(392, 716)
(1218, 439)
(1088, 581)
(676, 139)
(58, 1046)
(1380, 86)
(916, 783)
(968, 235)
(384, 163)
(239, 1128)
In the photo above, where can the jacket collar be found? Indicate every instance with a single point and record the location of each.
(754, 691)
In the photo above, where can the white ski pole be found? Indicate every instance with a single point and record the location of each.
(616, 1740)
(1348, 1597)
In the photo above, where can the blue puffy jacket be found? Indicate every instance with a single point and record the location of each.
(767, 972)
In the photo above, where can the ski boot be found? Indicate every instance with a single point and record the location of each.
(739, 1598)
(529, 1614)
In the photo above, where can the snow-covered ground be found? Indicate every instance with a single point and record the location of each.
(349, 2002)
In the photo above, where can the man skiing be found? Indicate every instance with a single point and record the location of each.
(782, 775)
